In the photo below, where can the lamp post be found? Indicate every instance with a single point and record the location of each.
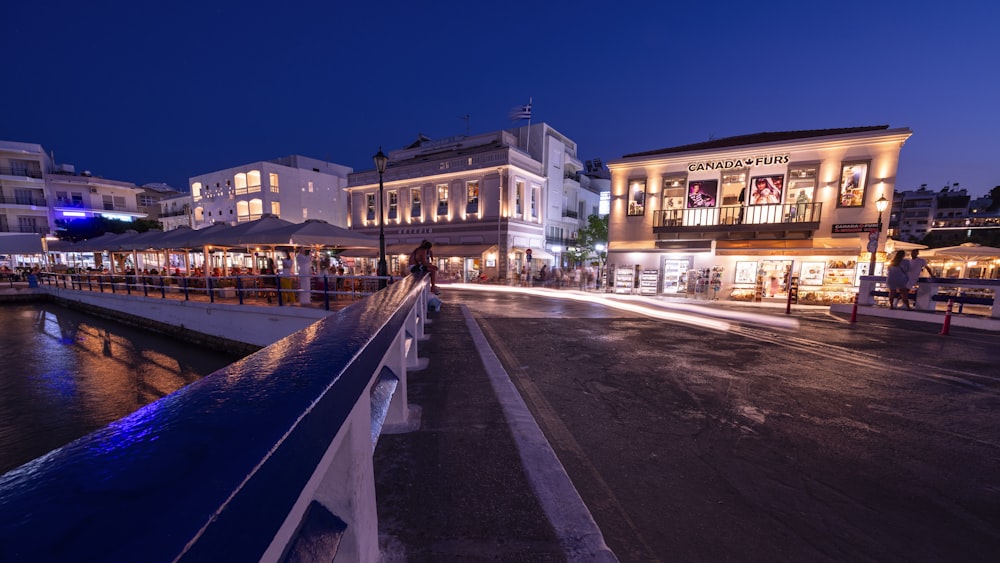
(881, 204)
(380, 161)
(599, 247)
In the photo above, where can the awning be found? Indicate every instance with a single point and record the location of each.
(536, 253)
(21, 243)
(438, 250)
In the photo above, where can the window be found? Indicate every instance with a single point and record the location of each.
(442, 191)
(119, 202)
(109, 203)
(241, 183)
(637, 197)
(24, 197)
(196, 191)
(27, 224)
(518, 198)
(415, 210)
(534, 203)
(253, 181)
(472, 193)
(309, 186)
(273, 181)
(393, 204)
(370, 198)
(853, 181)
(276, 208)
(801, 192)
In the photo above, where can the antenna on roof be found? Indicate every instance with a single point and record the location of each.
(466, 118)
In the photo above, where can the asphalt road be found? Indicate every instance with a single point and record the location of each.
(875, 441)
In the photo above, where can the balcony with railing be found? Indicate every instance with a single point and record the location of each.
(20, 172)
(23, 199)
(738, 222)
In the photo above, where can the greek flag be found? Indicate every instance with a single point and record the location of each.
(521, 112)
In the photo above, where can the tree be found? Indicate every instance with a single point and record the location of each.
(81, 229)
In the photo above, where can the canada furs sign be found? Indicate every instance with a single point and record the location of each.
(763, 160)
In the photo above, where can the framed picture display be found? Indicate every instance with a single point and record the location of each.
(637, 197)
(766, 190)
(702, 193)
(746, 272)
(853, 181)
(812, 273)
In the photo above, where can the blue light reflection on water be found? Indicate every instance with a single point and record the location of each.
(64, 374)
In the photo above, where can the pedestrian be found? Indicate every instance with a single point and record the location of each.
(420, 261)
(898, 279)
(917, 267)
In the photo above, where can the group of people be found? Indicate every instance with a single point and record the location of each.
(902, 275)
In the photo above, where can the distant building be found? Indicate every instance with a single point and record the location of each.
(176, 212)
(915, 213)
(149, 199)
(295, 188)
(492, 203)
(37, 195)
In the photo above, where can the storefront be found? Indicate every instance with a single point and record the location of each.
(753, 217)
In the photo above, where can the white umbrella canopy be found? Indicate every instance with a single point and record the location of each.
(964, 253)
(316, 232)
(258, 232)
(892, 245)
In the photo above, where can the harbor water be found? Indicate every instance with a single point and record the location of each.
(64, 374)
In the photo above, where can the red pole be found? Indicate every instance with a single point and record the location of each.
(947, 319)
(854, 312)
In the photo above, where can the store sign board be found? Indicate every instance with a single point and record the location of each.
(759, 160)
(854, 227)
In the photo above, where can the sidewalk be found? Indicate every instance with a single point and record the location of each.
(456, 488)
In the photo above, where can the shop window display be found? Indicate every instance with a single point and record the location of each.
(853, 181)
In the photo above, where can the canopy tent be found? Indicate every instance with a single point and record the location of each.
(251, 233)
(316, 232)
(21, 243)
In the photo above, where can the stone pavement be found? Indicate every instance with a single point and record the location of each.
(463, 486)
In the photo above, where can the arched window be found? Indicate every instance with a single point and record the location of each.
(253, 181)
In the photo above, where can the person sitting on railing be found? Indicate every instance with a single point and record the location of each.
(420, 261)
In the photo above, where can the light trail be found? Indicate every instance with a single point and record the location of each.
(703, 317)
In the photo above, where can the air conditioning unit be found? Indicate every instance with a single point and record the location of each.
(93, 190)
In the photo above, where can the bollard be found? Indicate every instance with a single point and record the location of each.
(947, 319)
(854, 311)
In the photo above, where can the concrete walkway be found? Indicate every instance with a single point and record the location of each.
(477, 481)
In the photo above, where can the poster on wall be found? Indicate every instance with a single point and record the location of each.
(853, 179)
(766, 190)
(812, 273)
(702, 193)
(637, 197)
(746, 272)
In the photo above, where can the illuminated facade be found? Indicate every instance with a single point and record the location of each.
(487, 201)
(753, 217)
(295, 188)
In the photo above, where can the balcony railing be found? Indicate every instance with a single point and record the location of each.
(20, 172)
(747, 218)
(22, 200)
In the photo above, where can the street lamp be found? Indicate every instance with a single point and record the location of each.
(380, 161)
(881, 204)
(599, 247)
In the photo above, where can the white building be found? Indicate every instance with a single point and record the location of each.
(23, 199)
(38, 195)
(176, 211)
(295, 188)
(755, 216)
(486, 201)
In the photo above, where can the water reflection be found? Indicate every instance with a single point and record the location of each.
(64, 374)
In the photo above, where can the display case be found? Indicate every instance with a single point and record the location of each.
(674, 280)
(649, 281)
(624, 279)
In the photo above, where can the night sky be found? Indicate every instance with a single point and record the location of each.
(161, 91)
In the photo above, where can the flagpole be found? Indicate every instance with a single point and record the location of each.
(527, 144)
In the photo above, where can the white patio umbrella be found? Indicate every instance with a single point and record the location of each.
(964, 253)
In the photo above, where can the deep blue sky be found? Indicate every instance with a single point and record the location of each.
(161, 91)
